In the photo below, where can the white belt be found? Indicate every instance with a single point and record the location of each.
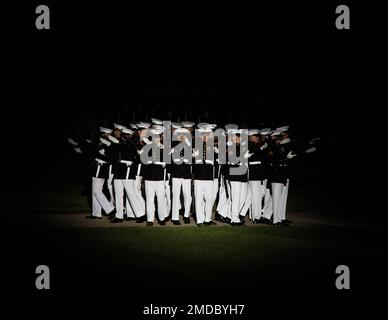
(99, 164)
(206, 161)
(179, 160)
(160, 163)
(100, 161)
(127, 162)
(254, 162)
(237, 164)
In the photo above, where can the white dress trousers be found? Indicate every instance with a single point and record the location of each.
(158, 189)
(179, 184)
(135, 205)
(258, 192)
(203, 196)
(223, 203)
(99, 199)
(284, 201)
(238, 196)
(268, 206)
(277, 190)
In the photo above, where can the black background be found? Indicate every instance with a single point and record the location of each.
(289, 53)
(268, 61)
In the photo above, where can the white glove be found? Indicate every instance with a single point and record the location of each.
(187, 141)
(264, 146)
(160, 145)
(290, 155)
(106, 142)
(247, 155)
(171, 151)
(284, 141)
(102, 151)
(216, 150)
(71, 141)
(311, 150)
(78, 150)
(146, 141)
(196, 153)
(113, 139)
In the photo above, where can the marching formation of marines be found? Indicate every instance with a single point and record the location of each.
(172, 175)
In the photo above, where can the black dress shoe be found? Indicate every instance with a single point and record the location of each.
(242, 219)
(141, 219)
(284, 223)
(262, 220)
(112, 214)
(199, 224)
(210, 223)
(92, 217)
(265, 220)
(186, 220)
(219, 218)
(236, 224)
(277, 224)
(150, 224)
(176, 222)
(162, 223)
(227, 220)
(116, 220)
(287, 221)
(129, 219)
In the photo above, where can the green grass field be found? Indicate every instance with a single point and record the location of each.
(217, 262)
(191, 262)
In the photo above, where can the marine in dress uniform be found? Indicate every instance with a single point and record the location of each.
(278, 175)
(239, 200)
(155, 178)
(116, 134)
(101, 174)
(256, 174)
(125, 172)
(223, 206)
(267, 210)
(158, 126)
(217, 166)
(203, 175)
(181, 174)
